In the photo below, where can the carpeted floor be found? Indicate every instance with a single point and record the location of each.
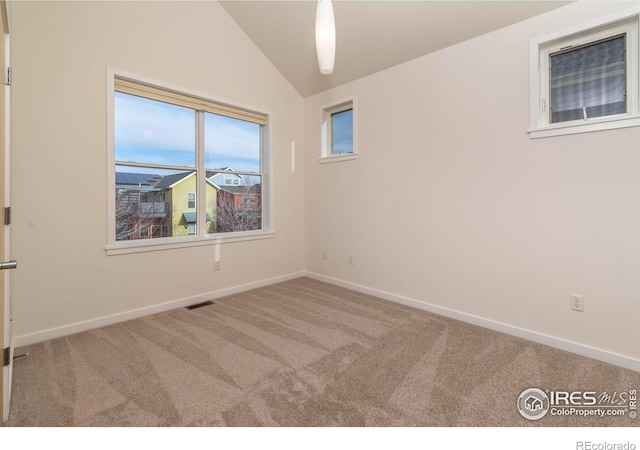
(299, 353)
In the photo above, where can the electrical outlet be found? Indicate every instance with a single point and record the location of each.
(216, 264)
(325, 254)
(350, 259)
(577, 303)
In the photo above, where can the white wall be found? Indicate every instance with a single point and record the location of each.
(60, 54)
(485, 221)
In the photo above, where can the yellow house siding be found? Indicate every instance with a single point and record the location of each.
(179, 205)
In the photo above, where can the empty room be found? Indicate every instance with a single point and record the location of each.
(321, 214)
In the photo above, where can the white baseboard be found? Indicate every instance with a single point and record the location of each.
(66, 330)
(562, 344)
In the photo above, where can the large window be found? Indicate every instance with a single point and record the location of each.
(172, 155)
(586, 80)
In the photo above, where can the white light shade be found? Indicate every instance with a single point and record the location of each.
(325, 36)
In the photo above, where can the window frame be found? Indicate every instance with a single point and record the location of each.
(114, 247)
(326, 132)
(625, 22)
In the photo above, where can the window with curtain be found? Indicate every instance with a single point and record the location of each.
(590, 81)
(586, 78)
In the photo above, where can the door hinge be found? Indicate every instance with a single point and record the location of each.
(7, 215)
(8, 76)
(7, 357)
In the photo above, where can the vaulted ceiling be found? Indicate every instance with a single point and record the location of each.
(372, 35)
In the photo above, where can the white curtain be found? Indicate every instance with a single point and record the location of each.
(589, 81)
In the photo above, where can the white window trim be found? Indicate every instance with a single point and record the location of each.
(539, 49)
(195, 200)
(325, 131)
(114, 247)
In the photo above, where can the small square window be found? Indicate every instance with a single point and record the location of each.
(586, 80)
(191, 229)
(338, 132)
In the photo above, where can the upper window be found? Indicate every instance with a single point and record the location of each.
(338, 132)
(167, 147)
(586, 80)
(342, 132)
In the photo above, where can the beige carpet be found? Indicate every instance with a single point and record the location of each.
(299, 353)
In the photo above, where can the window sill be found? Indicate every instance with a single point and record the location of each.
(337, 158)
(152, 245)
(607, 123)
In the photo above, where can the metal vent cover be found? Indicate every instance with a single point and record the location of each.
(199, 305)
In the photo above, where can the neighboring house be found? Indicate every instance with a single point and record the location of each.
(152, 206)
(239, 204)
(182, 198)
(224, 178)
(239, 208)
(141, 211)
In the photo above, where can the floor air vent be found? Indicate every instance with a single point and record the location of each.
(198, 305)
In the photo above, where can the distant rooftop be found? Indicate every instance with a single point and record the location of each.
(164, 182)
(135, 179)
(170, 180)
(255, 189)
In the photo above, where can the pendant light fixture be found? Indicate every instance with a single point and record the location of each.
(325, 36)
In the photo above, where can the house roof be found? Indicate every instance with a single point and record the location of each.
(154, 180)
(213, 172)
(135, 179)
(170, 180)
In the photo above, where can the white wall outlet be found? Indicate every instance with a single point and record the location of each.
(216, 264)
(325, 254)
(350, 259)
(577, 302)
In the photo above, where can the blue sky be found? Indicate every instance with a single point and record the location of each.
(342, 128)
(152, 132)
